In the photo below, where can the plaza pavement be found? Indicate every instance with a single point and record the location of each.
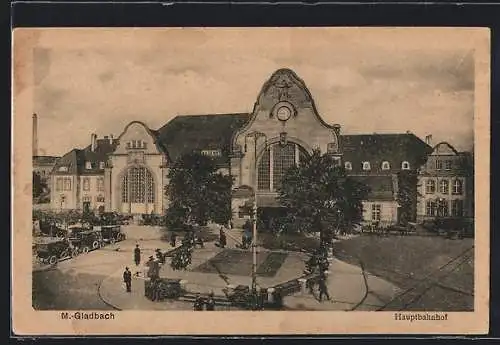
(349, 287)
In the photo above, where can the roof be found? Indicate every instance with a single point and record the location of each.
(76, 158)
(188, 133)
(381, 188)
(377, 148)
(45, 160)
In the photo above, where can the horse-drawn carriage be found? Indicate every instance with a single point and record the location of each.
(50, 250)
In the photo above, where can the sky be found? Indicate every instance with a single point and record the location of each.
(366, 80)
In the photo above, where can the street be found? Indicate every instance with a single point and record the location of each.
(74, 284)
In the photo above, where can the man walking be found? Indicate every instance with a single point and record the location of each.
(127, 279)
(323, 288)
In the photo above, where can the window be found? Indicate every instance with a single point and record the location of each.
(59, 184)
(283, 159)
(100, 184)
(447, 165)
(138, 186)
(444, 187)
(102, 165)
(430, 187)
(366, 166)
(274, 163)
(386, 165)
(86, 183)
(405, 165)
(99, 198)
(67, 183)
(348, 166)
(136, 144)
(264, 172)
(88, 165)
(457, 208)
(442, 208)
(457, 187)
(439, 164)
(376, 211)
(86, 199)
(430, 208)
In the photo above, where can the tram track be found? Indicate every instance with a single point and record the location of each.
(428, 282)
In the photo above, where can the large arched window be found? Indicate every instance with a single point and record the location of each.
(138, 186)
(274, 163)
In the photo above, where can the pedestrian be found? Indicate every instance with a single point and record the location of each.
(198, 303)
(137, 257)
(210, 302)
(173, 239)
(222, 238)
(127, 279)
(323, 288)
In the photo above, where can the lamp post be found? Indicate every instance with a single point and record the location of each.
(255, 135)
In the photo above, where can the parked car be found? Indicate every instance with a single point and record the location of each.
(86, 240)
(51, 250)
(112, 233)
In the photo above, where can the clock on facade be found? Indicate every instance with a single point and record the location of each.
(283, 111)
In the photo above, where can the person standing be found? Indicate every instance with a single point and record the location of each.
(137, 257)
(222, 238)
(198, 303)
(323, 288)
(173, 239)
(127, 279)
(210, 302)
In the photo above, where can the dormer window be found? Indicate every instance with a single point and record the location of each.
(386, 165)
(101, 165)
(348, 166)
(405, 165)
(88, 165)
(366, 166)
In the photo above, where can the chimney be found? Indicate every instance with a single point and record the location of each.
(428, 139)
(93, 142)
(111, 139)
(35, 135)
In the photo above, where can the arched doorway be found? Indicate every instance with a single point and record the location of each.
(137, 191)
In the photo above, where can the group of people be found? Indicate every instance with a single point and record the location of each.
(201, 303)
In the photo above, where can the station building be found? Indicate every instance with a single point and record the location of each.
(129, 174)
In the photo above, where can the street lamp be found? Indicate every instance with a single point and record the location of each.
(255, 135)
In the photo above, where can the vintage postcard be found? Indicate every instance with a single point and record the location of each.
(234, 181)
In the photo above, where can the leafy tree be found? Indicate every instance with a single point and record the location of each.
(39, 185)
(198, 193)
(321, 197)
(407, 195)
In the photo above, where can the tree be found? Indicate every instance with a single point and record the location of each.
(321, 197)
(198, 193)
(39, 185)
(407, 195)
